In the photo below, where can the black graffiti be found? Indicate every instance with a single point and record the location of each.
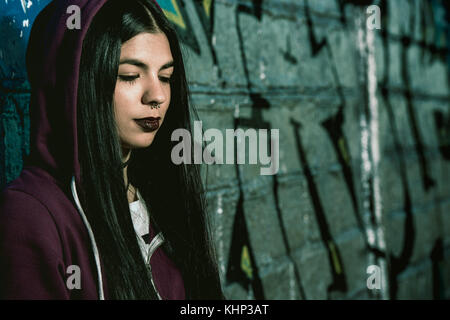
(437, 257)
(240, 237)
(316, 45)
(343, 3)
(186, 34)
(240, 246)
(428, 181)
(256, 120)
(287, 55)
(333, 126)
(207, 22)
(399, 263)
(339, 282)
(442, 123)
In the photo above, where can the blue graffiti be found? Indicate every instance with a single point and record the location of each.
(16, 19)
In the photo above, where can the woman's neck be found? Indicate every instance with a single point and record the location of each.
(131, 190)
(132, 194)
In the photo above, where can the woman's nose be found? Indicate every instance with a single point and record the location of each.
(154, 92)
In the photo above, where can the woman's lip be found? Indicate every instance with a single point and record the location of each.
(148, 124)
(150, 118)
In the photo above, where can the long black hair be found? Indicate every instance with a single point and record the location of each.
(173, 193)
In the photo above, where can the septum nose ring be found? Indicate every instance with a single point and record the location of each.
(155, 106)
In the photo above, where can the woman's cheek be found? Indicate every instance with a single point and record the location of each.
(126, 98)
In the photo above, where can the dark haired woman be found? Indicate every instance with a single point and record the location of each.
(100, 211)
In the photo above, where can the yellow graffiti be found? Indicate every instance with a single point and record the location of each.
(246, 264)
(175, 18)
(343, 149)
(207, 6)
(337, 265)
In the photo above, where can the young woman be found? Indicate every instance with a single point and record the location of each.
(100, 211)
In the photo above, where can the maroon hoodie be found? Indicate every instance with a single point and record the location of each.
(43, 230)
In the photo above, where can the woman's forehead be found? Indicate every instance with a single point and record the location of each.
(151, 49)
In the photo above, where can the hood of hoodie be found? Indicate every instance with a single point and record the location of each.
(53, 62)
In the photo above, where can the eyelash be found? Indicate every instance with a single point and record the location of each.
(166, 80)
(129, 79)
(132, 79)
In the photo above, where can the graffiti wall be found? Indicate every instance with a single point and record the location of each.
(360, 94)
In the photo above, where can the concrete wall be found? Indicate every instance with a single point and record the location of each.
(364, 122)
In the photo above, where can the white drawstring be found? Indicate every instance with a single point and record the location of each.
(91, 236)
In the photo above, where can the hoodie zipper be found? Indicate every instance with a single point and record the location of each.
(154, 244)
(157, 240)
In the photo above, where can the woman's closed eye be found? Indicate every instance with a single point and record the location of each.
(165, 79)
(132, 78)
(128, 78)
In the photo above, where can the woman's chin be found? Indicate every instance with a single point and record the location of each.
(142, 142)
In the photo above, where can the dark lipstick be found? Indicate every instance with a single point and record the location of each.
(148, 124)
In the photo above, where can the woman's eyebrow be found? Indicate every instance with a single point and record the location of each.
(167, 65)
(144, 66)
(134, 62)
